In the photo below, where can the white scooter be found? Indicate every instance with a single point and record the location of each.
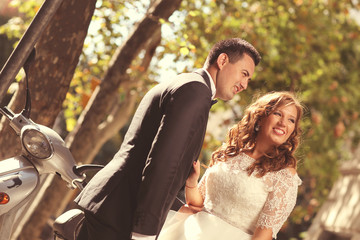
(43, 152)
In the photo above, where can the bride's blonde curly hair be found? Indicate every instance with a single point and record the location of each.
(242, 136)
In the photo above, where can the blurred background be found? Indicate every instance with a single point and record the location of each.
(95, 62)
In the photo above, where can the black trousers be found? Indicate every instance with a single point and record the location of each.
(94, 229)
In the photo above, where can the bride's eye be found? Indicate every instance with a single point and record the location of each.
(277, 113)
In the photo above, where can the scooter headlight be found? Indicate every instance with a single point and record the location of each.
(36, 144)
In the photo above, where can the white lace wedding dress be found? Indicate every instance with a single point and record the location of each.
(235, 203)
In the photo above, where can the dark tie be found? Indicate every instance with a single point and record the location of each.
(214, 101)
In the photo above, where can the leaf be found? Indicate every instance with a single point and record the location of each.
(184, 51)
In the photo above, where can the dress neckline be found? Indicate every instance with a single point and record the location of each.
(246, 156)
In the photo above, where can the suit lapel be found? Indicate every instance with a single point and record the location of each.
(205, 77)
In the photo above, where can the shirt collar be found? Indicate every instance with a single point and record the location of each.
(212, 84)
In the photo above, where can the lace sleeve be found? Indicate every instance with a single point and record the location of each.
(283, 187)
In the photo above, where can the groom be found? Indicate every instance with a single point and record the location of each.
(131, 196)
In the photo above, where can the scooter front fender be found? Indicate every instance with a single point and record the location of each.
(18, 180)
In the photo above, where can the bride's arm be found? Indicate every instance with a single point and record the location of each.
(192, 193)
(262, 234)
(279, 204)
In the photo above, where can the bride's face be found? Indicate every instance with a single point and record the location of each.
(276, 128)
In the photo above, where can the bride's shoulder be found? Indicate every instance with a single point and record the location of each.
(286, 176)
(292, 170)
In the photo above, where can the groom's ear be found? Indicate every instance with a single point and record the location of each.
(222, 59)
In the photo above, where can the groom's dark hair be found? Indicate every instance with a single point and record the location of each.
(235, 49)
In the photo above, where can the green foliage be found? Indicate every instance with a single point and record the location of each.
(16, 26)
(82, 86)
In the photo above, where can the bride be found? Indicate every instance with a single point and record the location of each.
(251, 186)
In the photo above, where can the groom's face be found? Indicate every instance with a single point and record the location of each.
(233, 78)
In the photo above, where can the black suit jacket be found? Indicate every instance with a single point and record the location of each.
(136, 189)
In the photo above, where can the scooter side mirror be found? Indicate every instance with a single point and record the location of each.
(82, 169)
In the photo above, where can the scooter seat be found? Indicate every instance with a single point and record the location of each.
(68, 224)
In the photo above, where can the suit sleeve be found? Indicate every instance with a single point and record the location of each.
(185, 117)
